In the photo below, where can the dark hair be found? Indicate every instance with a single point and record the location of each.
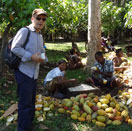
(98, 53)
(61, 61)
(118, 50)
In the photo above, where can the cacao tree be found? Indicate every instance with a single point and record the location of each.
(112, 17)
(13, 14)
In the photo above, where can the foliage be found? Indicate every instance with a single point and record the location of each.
(112, 17)
(128, 15)
(16, 12)
(64, 16)
(67, 17)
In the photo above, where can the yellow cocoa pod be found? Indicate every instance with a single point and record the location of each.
(38, 102)
(99, 105)
(51, 106)
(101, 112)
(104, 101)
(84, 114)
(69, 103)
(90, 104)
(76, 107)
(94, 121)
(104, 106)
(110, 115)
(81, 119)
(101, 118)
(98, 123)
(109, 110)
(68, 112)
(116, 122)
(118, 113)
(89, 118)
(108, 96)
(75, 112)
(113, 100)
(2, 111)
(112, 104)
(46, 104)
(130, 121)
(124, 113)
(61, 110)
(74, 116)
(109, 122)
(46, 109)
(47, 98)
(117, 106)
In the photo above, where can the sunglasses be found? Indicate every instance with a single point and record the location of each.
(38, 18)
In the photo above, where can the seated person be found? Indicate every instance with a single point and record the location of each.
(76, 49)
(103, 44)
(120, 63)
(128, 50)
(112, 45)
(102, 74)
(74, 60)
(55, 83)
(109, 44)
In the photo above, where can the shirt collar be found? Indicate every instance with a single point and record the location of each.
(31, 27)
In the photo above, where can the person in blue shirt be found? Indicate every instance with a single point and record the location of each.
(55, 82)
(102, 73)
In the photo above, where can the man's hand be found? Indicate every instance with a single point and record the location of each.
(36, 57)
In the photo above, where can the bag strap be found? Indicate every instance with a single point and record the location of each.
(26, 38)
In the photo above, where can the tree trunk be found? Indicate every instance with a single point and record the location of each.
(116, 2)
(4, 40)
(123, 2)
(52, 37)
(94, 31)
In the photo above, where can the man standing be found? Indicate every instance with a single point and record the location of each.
(27, 73)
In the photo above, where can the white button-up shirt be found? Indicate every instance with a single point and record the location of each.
(56, 72)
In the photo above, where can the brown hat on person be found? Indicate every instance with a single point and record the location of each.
(39, 12)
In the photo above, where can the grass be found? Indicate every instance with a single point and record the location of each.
(55, 52)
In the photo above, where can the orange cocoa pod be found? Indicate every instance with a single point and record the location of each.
(127, 118)
(96, 99)
(118, 118)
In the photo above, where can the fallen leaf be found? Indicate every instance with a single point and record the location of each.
(41, 126)
(10, 110)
